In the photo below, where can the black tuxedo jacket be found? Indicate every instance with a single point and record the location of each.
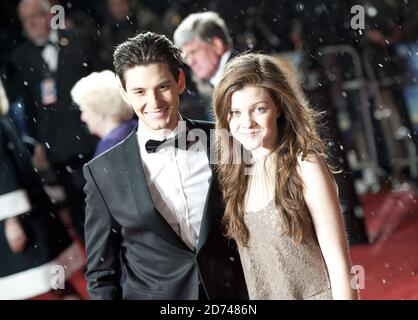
(124, 230)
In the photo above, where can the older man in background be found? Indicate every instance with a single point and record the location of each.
(42, 71)
(207, 46)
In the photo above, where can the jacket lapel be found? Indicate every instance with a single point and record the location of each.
(211, 210)
(213, 204)
(153, 220)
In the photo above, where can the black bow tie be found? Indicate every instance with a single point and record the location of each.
(153, 146)
(42, 46)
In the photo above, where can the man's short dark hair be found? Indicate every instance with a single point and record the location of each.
(143, 49)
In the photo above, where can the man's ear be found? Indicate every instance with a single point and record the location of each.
(218, 45)
(181, 83)
(124, 94)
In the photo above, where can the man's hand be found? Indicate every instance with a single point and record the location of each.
(15, 235)
(39, 157)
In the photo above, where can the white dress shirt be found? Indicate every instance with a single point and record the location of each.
(178, 181)
(50, 51)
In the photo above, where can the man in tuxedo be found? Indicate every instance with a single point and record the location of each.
(41, 71)
(153, 204)
(207, 46)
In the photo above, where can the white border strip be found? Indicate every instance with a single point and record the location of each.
(33, 282)
(14, 203)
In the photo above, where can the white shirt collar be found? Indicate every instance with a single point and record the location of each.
(217, 77)
(52, 37)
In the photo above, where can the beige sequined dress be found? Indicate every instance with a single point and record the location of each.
(274, 267)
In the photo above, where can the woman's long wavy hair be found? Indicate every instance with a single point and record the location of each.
(297, 136)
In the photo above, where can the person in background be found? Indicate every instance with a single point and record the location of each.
(206, 45)
(34, 244)
(42, 71)
(103, 109)
(126, 19)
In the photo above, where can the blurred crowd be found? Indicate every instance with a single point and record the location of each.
(64, 105)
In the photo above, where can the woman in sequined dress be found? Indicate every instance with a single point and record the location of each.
(282, 204)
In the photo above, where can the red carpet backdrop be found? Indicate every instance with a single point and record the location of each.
(391, 260)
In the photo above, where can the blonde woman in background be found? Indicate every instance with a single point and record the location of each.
(102, 108)
(285, 214)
